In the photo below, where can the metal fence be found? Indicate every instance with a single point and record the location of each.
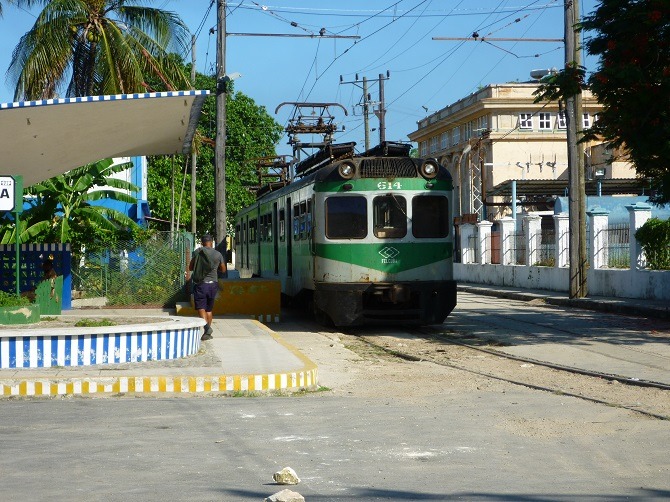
(547, 251)
(148, 273)
(518, 248)
(618, 245)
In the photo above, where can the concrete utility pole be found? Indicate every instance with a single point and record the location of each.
(366, 111)
(577, 201)
(380, 112)
(194, 156)
(220, 148)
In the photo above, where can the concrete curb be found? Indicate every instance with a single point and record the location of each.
(157, 384)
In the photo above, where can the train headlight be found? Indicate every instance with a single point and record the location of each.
(429, 169)
(346, 170)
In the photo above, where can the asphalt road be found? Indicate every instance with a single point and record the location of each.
(386, 430)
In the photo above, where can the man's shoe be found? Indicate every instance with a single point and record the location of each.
(206, 336)
(209, 330)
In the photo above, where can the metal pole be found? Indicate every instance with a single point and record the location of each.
(194, 156)
(382, 111)
(573, 109)
(220, 149)
(17, 244)
(366, 119)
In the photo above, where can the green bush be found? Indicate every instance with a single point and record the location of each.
(12, 300)
(654, 237)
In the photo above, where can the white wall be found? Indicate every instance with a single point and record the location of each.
(647, 284)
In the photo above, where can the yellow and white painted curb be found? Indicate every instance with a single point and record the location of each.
(86, 386)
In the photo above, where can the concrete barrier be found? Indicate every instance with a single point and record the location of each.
(258, 298)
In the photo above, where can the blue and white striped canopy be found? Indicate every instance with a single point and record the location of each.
(41, 139)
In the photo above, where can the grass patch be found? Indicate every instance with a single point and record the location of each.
(48, 318)
(94, 323)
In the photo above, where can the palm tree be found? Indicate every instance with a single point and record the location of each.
(92, 47)
(62, 208)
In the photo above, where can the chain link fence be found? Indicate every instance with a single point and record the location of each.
(148, 273)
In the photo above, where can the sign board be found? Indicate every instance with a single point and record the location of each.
(11, 193)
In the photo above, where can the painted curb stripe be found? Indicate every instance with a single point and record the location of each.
(45, 387)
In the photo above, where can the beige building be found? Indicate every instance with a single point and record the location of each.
(498, 134)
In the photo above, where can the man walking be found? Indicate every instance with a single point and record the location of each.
(205, 264)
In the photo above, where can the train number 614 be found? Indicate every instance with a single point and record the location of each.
(389, 185)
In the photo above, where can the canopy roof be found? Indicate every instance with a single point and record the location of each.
(560, 187)
(41, 139)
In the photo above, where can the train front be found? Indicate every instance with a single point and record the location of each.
(383, 245)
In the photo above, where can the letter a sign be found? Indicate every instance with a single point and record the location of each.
(9, 187)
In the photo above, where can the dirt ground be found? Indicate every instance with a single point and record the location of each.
(359, 365)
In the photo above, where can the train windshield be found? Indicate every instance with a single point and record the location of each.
(390, 216)
(430, 216)
(346, 217)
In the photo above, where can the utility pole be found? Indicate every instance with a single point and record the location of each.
(366, 111)
(577, 201)
(220, 148)
(194, 156)
(380, 112)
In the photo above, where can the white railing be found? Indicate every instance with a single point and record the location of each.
(534, 271)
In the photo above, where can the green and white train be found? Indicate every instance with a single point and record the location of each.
(366, 239)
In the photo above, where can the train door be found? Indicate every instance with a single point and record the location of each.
(289, 239)
(275, 238)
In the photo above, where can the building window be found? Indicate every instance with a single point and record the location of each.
(456, 135)
(444, 142)
(545, 121)
(560, 120)
(525, 121)
(433, 144)
(423, 149)
(587, 120)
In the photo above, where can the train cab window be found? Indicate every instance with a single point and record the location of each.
(389, 216)
(346, 217)
(237, 234)
(430, 216)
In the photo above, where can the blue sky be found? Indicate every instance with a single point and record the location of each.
(424, 73)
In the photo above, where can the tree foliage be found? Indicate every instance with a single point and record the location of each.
(632, 82)
(89, 47)
(64, 209)
(251, 133)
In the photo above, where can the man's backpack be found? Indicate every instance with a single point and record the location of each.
(202, 265)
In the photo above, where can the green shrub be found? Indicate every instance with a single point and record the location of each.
(12, 300)
(94, 323)
(654, 237)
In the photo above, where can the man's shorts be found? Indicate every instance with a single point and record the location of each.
(204, 295)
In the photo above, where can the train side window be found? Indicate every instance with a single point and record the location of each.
(430, 216)
(389, 216)
(252, 230)
(237, 235)
(268, 227)
(282, 225)
(303, 220)
(346, 217)
(308, 217)
(296, 222)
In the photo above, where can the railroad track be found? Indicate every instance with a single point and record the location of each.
(437, 347)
